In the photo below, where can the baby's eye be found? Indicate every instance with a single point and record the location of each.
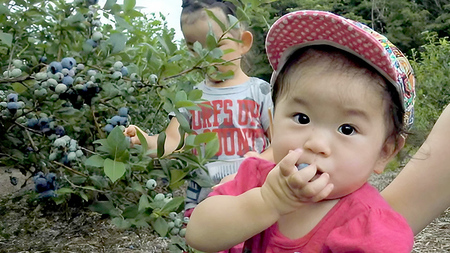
(347, 129)
(302, 118)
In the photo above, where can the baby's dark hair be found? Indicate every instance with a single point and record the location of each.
(395, 111)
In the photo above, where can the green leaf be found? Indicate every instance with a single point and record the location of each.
(143, 203)
(117, 144)
(123, 23)
(143, 141)
(118, 42)
(160, 144)
(104, 207)
(18, 87)
(121, 223)
(109, 4)
(213, 17)
(197, 47)
(195, 94)
(94, 161)
(130, 211)
(205, 137)
(212, 148)
(180, 96)
(184, 103)
(211, 41)
(183, 122)
(160, 226)
(182, 134)
(64, 191)
(233, 21)
(129, 5)
(6, 38)
(173, 204)
(113, 169)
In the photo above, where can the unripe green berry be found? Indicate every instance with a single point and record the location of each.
(182, 232)
(71, 156)
(60, 88)
(118, 65)
(79, 153)
(151, 184)
(16, 72)
(97, 36)
(178, 222)
(171, 224)
(17, 63)
(116, 75)
(159, 197)
(175, 231)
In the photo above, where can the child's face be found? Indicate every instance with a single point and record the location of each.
(199, 28)
(338, 120)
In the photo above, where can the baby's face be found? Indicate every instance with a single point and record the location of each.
(198, 30)
(338, 120)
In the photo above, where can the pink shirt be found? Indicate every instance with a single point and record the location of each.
(359, 222)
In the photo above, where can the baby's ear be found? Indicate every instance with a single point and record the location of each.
(389, 150)
(247, 41)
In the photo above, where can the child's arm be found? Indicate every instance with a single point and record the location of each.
(172, 136)
(220, 222)
(421, 192)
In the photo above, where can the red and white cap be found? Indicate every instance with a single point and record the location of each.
(306, 28)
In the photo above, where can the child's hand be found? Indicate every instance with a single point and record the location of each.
(130, 131)
(287, 188)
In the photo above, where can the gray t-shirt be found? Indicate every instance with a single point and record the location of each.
(238, 114)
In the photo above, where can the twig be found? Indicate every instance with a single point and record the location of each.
(70, 169)
(81, 187)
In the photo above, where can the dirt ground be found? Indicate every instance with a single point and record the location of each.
(25, 229)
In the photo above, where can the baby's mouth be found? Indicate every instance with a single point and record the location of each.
(304, 165)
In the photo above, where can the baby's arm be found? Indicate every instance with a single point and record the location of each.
(220, 222)
(421, 192)
(172, 136)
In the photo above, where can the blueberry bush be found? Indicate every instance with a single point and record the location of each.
(73, 76)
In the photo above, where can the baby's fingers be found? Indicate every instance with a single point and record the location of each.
(130, 131)
(315, 190)
(287, 164)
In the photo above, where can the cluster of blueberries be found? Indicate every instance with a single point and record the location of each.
(46, 126)
(66, 150)
(63, 71)
(45, 185)
(117, 120)
(13, 103)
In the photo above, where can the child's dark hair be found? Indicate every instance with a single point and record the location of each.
(395, 109)
(192, 6)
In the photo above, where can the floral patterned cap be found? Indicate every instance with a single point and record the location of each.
(306, 28)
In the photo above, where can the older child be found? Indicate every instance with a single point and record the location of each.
(239, 105)
(343, 98)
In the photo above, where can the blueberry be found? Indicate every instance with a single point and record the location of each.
(151, 184)
(55, 67)
(91, 42)
(68, 62)
(92, 2)
(178, 222)
(40, 184)
(43, 59)
(17, 63)
(13, 97)
(59, 130)
(123, 121)
(175, 231)
(123, 112)
(50, 177)
(68, 80)
(32, 122)
(171, 224)
(12, 107)
(116, 75)
(302, 165)
(135, 77)
(109, 128)
(182, 232)
(116, 120)
(124, 71)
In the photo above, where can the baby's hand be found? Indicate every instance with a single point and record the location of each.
(288, 188)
